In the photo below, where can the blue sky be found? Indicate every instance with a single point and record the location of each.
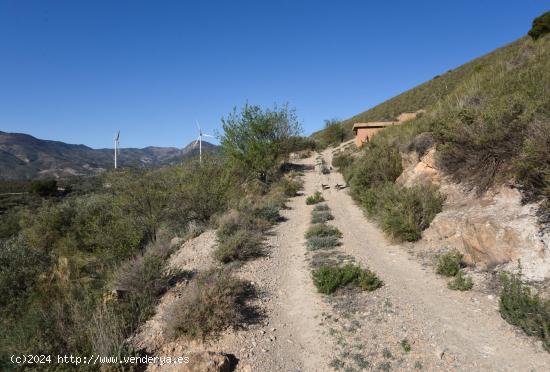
(76, 71)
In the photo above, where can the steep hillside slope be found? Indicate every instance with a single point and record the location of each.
(429, 94)
(23, 157)
(490, 118)
(482, 146)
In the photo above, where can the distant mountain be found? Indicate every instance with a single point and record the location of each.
(25, 157)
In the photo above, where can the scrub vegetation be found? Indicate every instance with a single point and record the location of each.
(520, 306)
(84, 262)
(328, 279)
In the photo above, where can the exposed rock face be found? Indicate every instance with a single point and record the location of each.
(494, 229)
(421, 171)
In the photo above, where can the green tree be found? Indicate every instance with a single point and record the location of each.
(44, 188)
(541, 26)
(144, 195)
(333, 133)
(255, 139)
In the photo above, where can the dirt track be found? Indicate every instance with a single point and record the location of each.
(305, 331)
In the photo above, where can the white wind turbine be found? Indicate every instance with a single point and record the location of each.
(199, 140)
(117, 147)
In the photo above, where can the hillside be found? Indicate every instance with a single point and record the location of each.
(25, 157)
(489, 118)
(515, 56)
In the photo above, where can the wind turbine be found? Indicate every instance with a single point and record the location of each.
(117, 147)
(199, 140)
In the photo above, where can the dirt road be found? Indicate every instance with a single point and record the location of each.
(413, 322)
(447, 329)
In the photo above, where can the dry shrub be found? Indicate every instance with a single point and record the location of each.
(239, 246)
(145, 274)
(210, 304)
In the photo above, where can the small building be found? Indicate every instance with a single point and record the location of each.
(365, 131)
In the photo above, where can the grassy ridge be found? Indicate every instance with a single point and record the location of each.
(428, 94)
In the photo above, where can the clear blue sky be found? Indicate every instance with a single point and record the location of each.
(78, 70)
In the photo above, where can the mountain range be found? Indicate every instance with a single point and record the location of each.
(25, 157)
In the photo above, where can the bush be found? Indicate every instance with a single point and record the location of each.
(209, 305)
(380, 164)
(323, 230)
(448, 264)
(332, 134)
(520, 307)
(315, 198)
(404, 212)
(322, 242)
(290, 187)
(145, 274)
(233, 221)
(541, 26)
(533, 167)
(460, 282)
(328, 279)
(342, 161)
(239, 246)
(19, 269)
(268, 213)
(44, 188)
(321, 207)
(321, 216)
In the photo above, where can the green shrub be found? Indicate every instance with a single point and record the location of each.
(290, 187)
(19, 269)
(44, 188)
(460, 282)
(520, 307)
(541, 26)
(448, 264)
(315, 198)
(342, 160)
(404, 212)
(323, 230)
(405, 345)
(328, 279)
(321, 207)
(239, 246)
(210, 304)
(322, 242)
(321, 216)
(268, 213)
(332, 134)
(379, 164)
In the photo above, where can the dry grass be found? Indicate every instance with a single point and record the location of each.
(212, 303)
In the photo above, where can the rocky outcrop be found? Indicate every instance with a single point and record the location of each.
(490, 230)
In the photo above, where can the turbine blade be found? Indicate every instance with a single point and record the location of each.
(208, 135)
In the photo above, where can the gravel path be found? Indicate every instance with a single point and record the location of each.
(446, 329)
